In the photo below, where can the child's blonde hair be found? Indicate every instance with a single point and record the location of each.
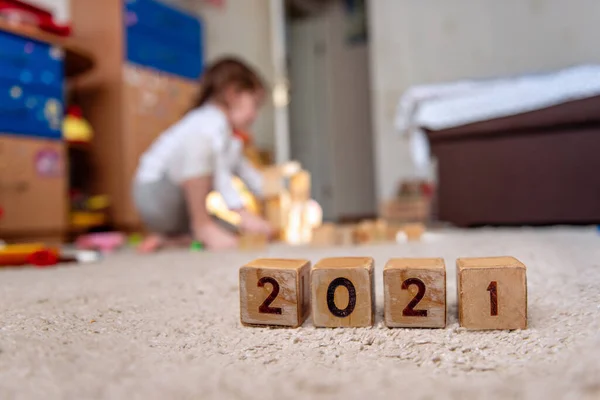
(225, 74)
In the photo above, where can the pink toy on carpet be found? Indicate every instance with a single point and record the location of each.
(106, 242)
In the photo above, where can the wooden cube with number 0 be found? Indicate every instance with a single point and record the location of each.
(275, 292)
(415, 293)
(492, 293)
(343, 292)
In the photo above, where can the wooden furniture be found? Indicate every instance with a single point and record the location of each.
(33, 188)
(148, 58)
(535, 168)
(33, 183)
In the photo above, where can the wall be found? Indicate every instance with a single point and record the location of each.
(242, 28)
(351, 116)
(60, 8)
(415, 42)
(330, 113)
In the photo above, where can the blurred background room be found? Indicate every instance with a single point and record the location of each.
(396, 112)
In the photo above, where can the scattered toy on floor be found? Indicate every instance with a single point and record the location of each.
(366, 232)
(196, 246)
(41, 256)
(106, 242)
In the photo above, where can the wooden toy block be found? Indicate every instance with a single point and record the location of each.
(492, 293)
(345, 235)
(381, 230)
(413, 231)
(289, 168)
(276, 209)
(275, 292)
(343, 292)
(392, 232)
(415, 293)
(324, 235)
(273, 182)
(274, 177)
(300, 186)
(252, 241)
(365, 232)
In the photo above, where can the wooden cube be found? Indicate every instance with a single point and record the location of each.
(324, 235)
(492, 293)
(273, 182)
(344, 235)
(343, 292)
(365, 232)
(276, 210)
(275, 292)
(253, 241)
(289, 168)
(300, 186)
(413, 231)
(415, 293)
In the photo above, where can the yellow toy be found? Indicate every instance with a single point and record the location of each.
(75, 128)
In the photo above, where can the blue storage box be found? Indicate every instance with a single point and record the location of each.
(151, 17)
(163, 38)
(31, 110)
(144, 51)
(30, 62)
(31, 87)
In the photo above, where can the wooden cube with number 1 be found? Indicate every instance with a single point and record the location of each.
(492, 293)
(415, 293)
(275, 292)
(343, 292)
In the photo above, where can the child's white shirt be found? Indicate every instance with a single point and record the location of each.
(201, 144)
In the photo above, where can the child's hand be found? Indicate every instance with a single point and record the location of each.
(254, 224)
(214, 237)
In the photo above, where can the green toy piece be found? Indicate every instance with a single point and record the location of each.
(134, 239)
(196, 246)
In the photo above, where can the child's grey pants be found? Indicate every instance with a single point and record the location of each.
(162, 207)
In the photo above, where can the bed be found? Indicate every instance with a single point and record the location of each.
(516, 151)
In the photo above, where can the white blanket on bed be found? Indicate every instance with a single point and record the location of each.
(450, 105)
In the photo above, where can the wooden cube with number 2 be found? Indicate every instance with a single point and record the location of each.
(415, 293)
(275, 292)
(343, 293)
(492, 293)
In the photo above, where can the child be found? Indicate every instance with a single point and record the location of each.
(200, 153)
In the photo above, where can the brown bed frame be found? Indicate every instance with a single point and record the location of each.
(536, 168)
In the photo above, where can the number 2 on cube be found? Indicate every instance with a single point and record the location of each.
(409, 310)
(265, 307)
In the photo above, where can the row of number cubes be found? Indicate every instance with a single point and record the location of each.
(492, 292)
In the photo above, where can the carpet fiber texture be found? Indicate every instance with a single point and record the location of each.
(166, 326)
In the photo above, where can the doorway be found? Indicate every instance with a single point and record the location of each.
(330, 107)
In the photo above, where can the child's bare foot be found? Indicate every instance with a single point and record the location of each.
(215, 238)
(151, 243)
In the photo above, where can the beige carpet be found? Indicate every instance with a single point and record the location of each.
(167, 326)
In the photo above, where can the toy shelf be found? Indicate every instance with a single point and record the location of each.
(77, 59)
